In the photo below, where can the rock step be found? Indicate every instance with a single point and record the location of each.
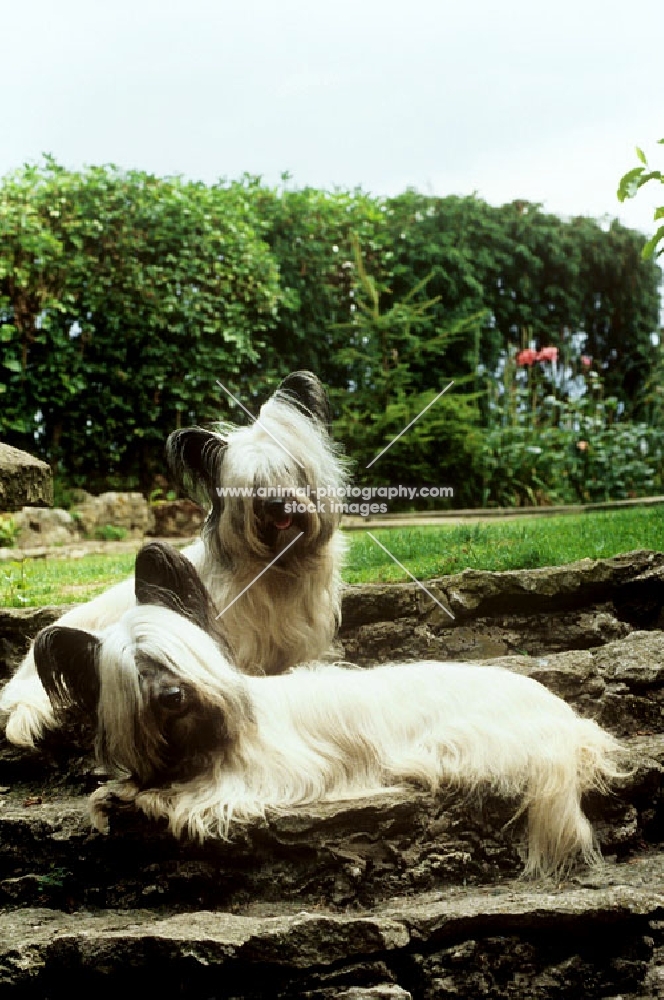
(338, 854)
(23, 479)
(525, 591)
(539, 612)
(620, 684)
(510, 940)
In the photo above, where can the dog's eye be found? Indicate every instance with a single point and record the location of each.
(171, 698)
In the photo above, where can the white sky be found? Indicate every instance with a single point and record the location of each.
(538, 100)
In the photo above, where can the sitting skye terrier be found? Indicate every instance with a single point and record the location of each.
(272, 572)
(199, 744)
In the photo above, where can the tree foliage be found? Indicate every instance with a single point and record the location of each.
(389, 345)
(619, 305)
(630, 184)
(125, 296)
(311, 235)
(122, 297)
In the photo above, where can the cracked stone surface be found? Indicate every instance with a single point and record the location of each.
(394, 897)
(23, 480)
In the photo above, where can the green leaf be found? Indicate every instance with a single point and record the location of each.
(642, 156)
(649, 248)
(630, 183)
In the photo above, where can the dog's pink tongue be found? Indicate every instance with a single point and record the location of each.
(282, 525)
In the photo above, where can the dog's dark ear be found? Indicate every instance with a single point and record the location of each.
(66, 660)
(306, 391)
(194, 458)
(165, 577)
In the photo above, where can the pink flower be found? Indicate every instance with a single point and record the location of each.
(527, 357)
(586, 360)
(548, 354)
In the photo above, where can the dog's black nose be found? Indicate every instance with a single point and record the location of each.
(276, 511)
(275, 508)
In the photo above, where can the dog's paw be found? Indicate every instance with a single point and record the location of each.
(99, 806)
(108, 799)
(26, 723)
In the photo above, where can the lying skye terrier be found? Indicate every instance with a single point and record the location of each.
(204, 746)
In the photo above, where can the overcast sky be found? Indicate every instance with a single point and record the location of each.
(543, 101)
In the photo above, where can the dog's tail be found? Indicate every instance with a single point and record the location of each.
(559, 834)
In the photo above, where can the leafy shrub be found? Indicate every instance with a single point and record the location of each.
(123, 297)
(544, 447)
(110, 533)
(8, 531)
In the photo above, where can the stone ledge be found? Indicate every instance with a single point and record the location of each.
(317, 954)
(478, 591)
(401, 896)
(24, 480)
(339, 854)
(542, 611)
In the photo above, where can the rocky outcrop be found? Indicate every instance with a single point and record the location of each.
(129, 512)
(513, 942)
(110, 516)
(38, 526)
(177, 519)
(23, 480)
(578, 606)
(402, 895)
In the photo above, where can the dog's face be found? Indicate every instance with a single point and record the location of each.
(265, 482)
(163, 694)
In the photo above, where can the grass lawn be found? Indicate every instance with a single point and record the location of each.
(38, 582)
(425, 552)
(513, 544)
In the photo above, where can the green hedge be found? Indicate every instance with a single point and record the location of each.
(124, 297)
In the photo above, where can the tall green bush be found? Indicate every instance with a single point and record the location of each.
(310, 233)
(122, 297)
(388, 351)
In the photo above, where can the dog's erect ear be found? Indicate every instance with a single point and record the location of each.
(194, 458)
(66, 660)
(165, 577)
(305, 390)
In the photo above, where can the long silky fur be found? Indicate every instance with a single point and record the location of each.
(290, 614)
(331, 732)
(126, 738)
